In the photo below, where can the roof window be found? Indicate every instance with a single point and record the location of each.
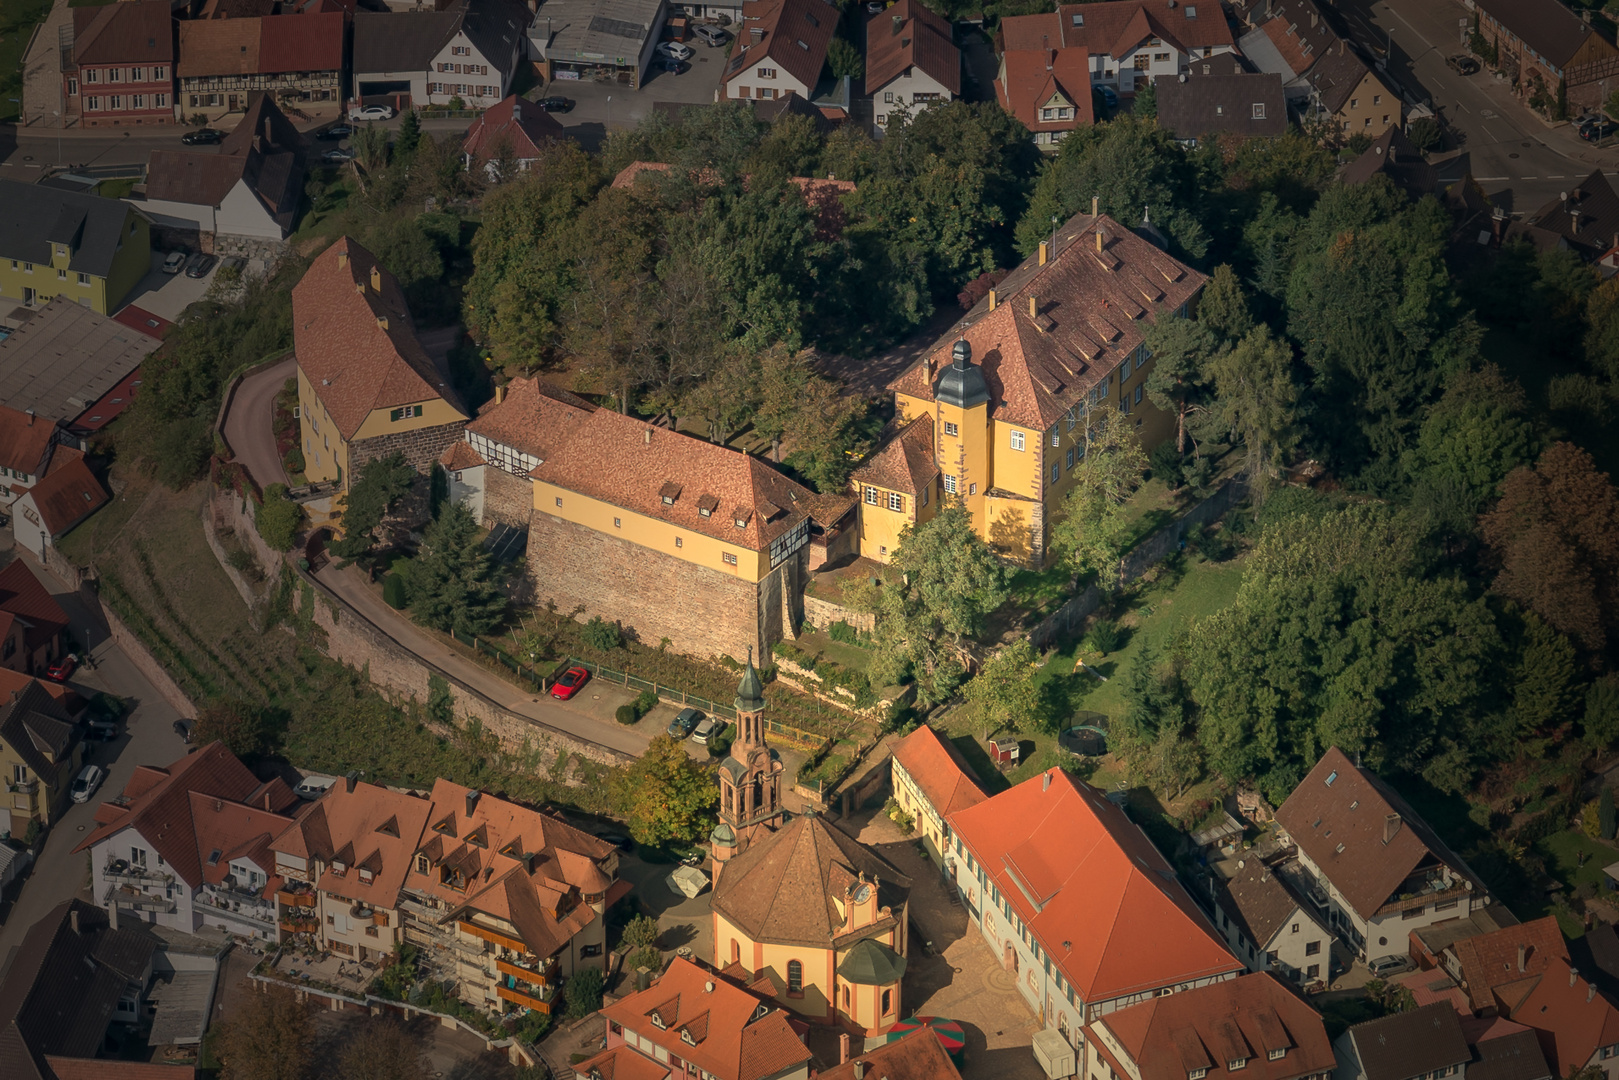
(813, 21)
(706, 505)
(1079, 20)
(213, 857)
(1191, 11)
(669, 493)
(1331, 776)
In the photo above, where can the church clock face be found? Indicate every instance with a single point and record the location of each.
(862, 894)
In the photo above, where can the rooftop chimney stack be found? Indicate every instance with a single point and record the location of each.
(472, 802)
(1391, 826)
(350, 780)
(1045, 780)
(73, 921)
(1034, 306)
(993, 299)
(376, 278)
(1523, 957)
(500, 394)
(1573, 975)
(112, 916)
(898, 23)
(1096, 205)
(1045, 252)
(30, 413)
(860, 1070)
(843, 1048)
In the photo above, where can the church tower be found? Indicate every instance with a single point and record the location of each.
(749, 777)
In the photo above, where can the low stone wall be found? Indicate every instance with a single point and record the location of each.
(823, 613)
(147, 664)
(1065, 618)
(1155, 548)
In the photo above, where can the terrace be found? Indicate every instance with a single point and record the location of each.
(124, 872)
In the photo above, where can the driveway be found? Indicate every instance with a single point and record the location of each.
(250, 424)
(148, 739)
(168, 295)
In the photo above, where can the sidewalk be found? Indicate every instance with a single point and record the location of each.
(42, 70)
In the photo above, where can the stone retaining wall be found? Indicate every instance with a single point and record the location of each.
(823, 613)
(146, 663)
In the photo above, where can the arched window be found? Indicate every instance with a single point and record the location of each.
(888, 1002)
(795, 977)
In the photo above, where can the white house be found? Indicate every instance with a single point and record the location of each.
(26, 443)
(49, 510)
(780, 49)
(469, 51)
(911, 60)
(1269, 927)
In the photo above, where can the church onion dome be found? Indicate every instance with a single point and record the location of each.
(962, 383)
(871, 963)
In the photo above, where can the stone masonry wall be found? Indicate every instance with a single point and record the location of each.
(421, 447)
(823, 613)
(702, 612)
(396, 672)
(506, 497)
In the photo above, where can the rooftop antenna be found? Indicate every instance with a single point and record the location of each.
(1053, 236)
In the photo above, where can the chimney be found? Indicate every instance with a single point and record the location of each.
(1523, 957)
(258, 144)
(343, 257)
(350, 780)
(472, 802)
(1573, 975)
(860, 1070)
(112, 917)
(1100, 241)
(1045, 252)
(898, 24)
(30, 413)
(1590, 992)
(376, 278)
(648, 435)
(500, 393)
(1034, 306)
(73, 921)
(1391, 825)
(1096, 204)
(1045, 780)
(993, 300)
(382, 321)
(843, 1048)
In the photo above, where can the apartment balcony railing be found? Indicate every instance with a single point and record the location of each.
(23, 787)
(247, 905)
(128, 873)
(517, 997)
(139, 901)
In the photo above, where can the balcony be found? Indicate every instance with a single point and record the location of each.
(140, 901)
(24, 787)
(517, 997)
(239, 902)
(538, 975)
(299, 926)
(128, 873)
(493, 937)
(294, 899)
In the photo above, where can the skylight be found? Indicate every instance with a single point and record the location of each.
(1331, 776)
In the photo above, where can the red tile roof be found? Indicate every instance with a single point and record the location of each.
(371, 827)
(534, 417)
(1339, 816)
(1247, 1018)
(23, 595)
(793, 33)
(1492, 961)
(1032, 77)
(731, 1040)
(108, 1069)
(311, 42)
(15, 682)
(1093, 308)
(908, 35)
(24, 440)
(621, 1063)
(903, 461)
(523, 123)
(939, 770)
(355, 363)
(1569, 1017)
(1116, 27)
(1057, 839)
(132, 32)
(918, 1056)
(460, 455)
(67, 496)
(137, 318)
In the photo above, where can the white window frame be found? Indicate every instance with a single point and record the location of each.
(1017, 440)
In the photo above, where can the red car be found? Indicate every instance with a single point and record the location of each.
(64, 667)
(570, 682)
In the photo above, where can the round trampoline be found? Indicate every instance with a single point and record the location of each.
(1088, 738)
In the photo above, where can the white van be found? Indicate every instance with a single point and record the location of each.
(713, 36)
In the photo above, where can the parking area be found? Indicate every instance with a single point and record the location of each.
(602, 106)
(168, 295)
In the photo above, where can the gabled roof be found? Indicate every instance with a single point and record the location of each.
(917, 1056)
(1115, 27)
(349, 830)
(409, 40)
(1106, 906)
(1261, 903)
(1338, 75)
(522, 123)
(533, 418)
(792, 33)
(311, 42)
(133, 32)
(1571, 1020)
(158, 804)
(1588, 219)
(1246, 1018)
(33, 217)
(24, 439)
(37, 727)
(782, 888)
(24, 597)
(356, 343)
(1216, 104)
(67, 496)
(736, 1034)
(938, 769)
(1393, 155)
(1425, 1039)
(1093, 308)
(908, 35)
(1032, 78)
(629, 463)
(62, 985)
(264, 151)
(1546, 26)
(1508, 959)
(67, 358)
(1363, 837)
(1512, 1056)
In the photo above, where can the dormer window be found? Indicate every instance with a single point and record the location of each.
(1197, 1074)
(685, 1037)
(1277, 1055)
(339, 869)
(669, 493)
(706, 505)
(657, 1022)
(421, 864)
(366, 876)
(1236, 1063)
(1079, 20)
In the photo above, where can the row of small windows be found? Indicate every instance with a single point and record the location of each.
(136, 74)
(136, 101)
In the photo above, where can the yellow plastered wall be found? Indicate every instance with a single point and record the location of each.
(436, 412)
(823, 991)
(880, 527)
(649, 532)
(326, 453)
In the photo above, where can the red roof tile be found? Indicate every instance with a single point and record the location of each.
(793, 33)
(25, 597)
(24, 440)
(133, 32)
(109, 1069)
(371, 827)
(939, 770)
(903, 461)
(908, 35)
(534, 417)
(311, 42)
(1032, 78)
(1058, 839)
(1569, 1017)
(918, 1056)
(67, 496)
(1493, 960)
(523, 123)
(15, 682)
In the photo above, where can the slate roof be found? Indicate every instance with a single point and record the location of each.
(1351, 812)
(24, 439)
(22, 596)
(1260, 903)
(917, 1056)
(67, 358)
(1402, 1045)
(38, 728)
(729, 1037)
(1546, 26)
(626, 462)
(781, 888)
(1093, 309)
(33, 216)
(1214, 104)
(1204, 1028)
(524, 123)
(793, 33)
(938, 769)
(1491, 964)
(67, 496)
(355, 364)
(1589, 220)
(62, 986)
(908, 35)
(264, 151)
(132, 32)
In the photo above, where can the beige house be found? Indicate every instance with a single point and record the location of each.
(931, 782)
(40, 754)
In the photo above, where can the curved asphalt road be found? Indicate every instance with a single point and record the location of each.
(250, 424)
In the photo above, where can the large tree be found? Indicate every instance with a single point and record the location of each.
(273, 1040)
(1469, 441)
(381, 483)
(1181, 350)
(382, 1049)
(1004, 690)
(1091, 527)
(1256, 403)
(453, 583)
(664, 795)
(1554, 541)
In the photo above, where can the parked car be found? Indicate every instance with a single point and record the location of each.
(101, 730)
(713, 36)
(618, 840)
(570, 682)
(334, 133)
(183, 729)
(200, 265)
(684, 723)
(674, 67)
(1109, 96)
(234, 263)
(1597, 130)
(706, 729)
(64, 667)
(1384, 966)
(176, 261)
(674, 50)
(202, 137)
(371, 112)
(88, 780)
(556, 103)
(337, 157)
(1462, 64)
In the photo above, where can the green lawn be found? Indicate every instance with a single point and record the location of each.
(17, 21)
(1563, 852)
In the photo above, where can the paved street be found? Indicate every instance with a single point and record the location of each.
(1511, 150)
(249, 426)
(148, 739)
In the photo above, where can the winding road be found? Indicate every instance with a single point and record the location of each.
(250, 423)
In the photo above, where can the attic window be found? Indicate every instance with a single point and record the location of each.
(707, 505)
(813, 21)
(213, 857)
(1079, 20)
(151, 43)
(657, 1022)
(446, 825)
(801, 45)
(365, 875)
(1191, 11)
(389, 827)
(1331, 776)
(339, 867)
(669, 493)
(685, 1036)
(1339, 849)
(86, 495)
(1355, 805)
